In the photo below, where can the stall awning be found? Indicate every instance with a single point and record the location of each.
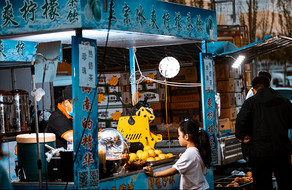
(267, 45)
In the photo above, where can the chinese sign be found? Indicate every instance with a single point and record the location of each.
(21, 51)
(208, 100)
(86, 66)
(151, 16)
(209, 72)
(38, 15)
(85, 119)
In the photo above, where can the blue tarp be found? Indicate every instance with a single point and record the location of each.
(217, 48)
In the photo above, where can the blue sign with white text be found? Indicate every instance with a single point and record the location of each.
(144, 16)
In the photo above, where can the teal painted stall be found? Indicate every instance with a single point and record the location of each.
(132, 24)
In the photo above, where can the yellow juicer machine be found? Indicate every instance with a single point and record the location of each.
(136, 128)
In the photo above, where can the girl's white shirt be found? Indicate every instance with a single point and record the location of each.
(192, 169)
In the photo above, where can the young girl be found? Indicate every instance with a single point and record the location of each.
(193, 163)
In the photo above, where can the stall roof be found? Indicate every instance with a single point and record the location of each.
(269, 44)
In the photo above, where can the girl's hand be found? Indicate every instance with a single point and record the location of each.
(148, 170)
(179, 155)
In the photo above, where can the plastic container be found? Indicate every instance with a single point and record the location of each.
(27, 155)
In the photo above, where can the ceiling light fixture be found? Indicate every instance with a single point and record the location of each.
(238, 61)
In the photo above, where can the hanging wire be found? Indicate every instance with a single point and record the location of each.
(142, 78)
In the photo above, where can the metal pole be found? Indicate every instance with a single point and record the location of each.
(134, 90)
(233, 10)
(39, 161)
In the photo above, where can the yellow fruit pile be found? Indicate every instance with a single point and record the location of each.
(148, 154)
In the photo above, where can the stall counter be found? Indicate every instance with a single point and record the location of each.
(136, 179)
(139, 180)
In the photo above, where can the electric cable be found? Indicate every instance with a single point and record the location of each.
(142, 78)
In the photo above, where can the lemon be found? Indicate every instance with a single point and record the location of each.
(146, 148)
(150, 159)
(157, 158)
(169, 155)
(151, 153)
(139, 155)
(133, 157)
(144, 155)
(139, 151)
(157, 152)
(162, 156)
(132, 154)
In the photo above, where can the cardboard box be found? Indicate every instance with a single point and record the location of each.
(162, 94)
(184, 105)
(125, 79)
(186, 98)
(126, 97)
(157, 120)
(111, 89)
(107, 114)
(101, 89)
(228, 113)
(107, 79)
(185, 112)
(225, 85)
(174, 90)
(224, 126)
(113, 100)
(157, 105)
(238, 87)
(239, 99)
(222, 71)
(107, 124)
(186, 74)
(232, 126)
(227, 100)
(178, 119)
(152, 97)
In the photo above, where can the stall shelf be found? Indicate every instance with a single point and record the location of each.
(124, 24)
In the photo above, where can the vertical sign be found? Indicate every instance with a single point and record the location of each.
(85, 126)
(209, 107)
(208, 101)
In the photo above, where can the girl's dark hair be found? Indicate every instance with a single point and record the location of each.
(199, 137)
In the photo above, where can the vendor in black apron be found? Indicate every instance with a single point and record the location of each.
(60, 121)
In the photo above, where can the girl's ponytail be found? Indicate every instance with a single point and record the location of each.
(203, 145)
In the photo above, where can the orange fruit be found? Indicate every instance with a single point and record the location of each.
(150, 159)
(146, 148)
(151, 153)
(162, 156)
(157, 152)
(145, 155)
(157, 158)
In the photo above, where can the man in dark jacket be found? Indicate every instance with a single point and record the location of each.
(60, 121)
(263, 121)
